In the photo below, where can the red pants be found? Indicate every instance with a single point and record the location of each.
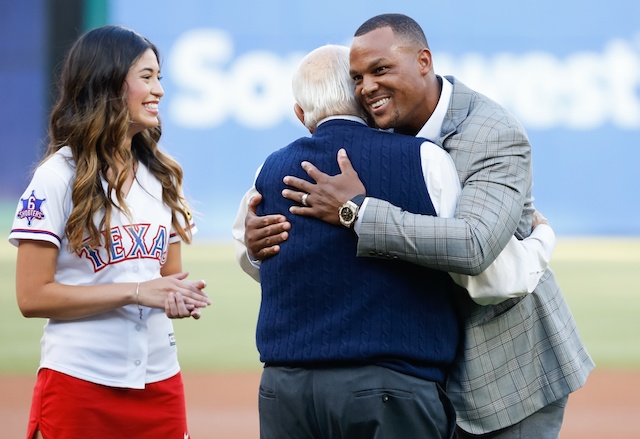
(70, 408)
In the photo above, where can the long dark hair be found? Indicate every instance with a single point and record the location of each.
(92, 118)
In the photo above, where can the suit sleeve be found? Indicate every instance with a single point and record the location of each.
(515, 272)
(248, 266)
(494, 166)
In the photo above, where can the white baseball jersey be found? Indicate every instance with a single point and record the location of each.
(116, 348)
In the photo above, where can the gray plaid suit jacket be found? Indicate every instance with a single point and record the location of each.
(519, 355)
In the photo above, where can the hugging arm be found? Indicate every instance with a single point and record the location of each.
(257, 237)
(495, 177)
(496, 180)
(517, 269)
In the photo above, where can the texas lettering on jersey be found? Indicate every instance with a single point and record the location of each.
(133, 241)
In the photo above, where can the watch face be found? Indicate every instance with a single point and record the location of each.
(347, 214)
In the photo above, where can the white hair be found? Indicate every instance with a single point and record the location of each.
(323, 87)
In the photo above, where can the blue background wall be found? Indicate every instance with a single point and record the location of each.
(23, 91)
(571, 74)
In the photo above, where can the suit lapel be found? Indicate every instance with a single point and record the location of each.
(456, 111)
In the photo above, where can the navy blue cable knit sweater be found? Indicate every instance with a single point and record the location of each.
(321, 305)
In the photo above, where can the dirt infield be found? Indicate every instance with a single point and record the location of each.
(224, 406)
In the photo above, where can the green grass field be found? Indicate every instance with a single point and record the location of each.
(598, 277)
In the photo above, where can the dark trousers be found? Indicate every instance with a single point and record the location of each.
(351, 403)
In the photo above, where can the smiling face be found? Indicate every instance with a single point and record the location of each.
(394, 80)
(143, 90)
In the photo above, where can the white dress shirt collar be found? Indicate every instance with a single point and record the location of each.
(431, 129)
(342, 117)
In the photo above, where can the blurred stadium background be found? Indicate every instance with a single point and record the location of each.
(569, 71)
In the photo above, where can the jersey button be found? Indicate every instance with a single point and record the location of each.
(138, 362)
(138, 328)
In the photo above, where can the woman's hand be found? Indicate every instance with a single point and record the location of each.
(175, 294)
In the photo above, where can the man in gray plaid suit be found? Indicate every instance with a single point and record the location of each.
(522, 357)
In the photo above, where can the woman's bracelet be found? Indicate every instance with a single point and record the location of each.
(138, 299)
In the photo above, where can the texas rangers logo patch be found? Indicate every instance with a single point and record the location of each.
(31, 208)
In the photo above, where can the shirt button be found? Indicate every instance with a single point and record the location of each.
(138, 327)
(138, 362)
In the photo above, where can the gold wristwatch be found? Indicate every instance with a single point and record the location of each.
(348, 212)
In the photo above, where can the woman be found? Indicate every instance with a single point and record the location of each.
(98, 232)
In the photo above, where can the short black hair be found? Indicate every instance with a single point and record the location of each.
(401, 25)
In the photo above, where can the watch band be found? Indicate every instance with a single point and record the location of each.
(358, 199)
(348, 212)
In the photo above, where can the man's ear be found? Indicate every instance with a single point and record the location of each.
(299, 112)
(424, 60)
